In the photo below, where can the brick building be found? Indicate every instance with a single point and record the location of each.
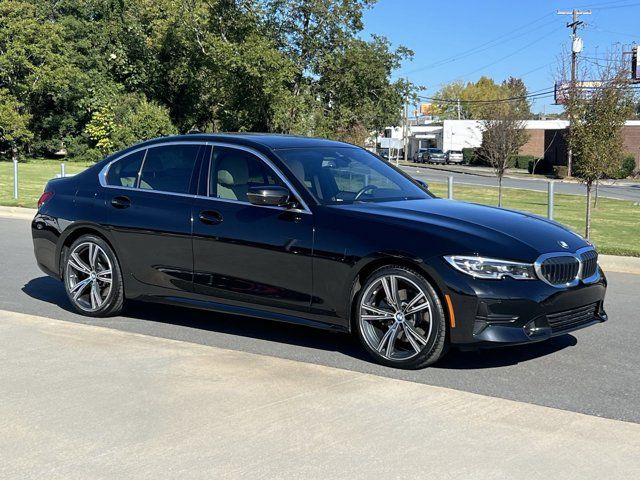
(546, 138)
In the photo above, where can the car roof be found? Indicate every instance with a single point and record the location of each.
(269, 140)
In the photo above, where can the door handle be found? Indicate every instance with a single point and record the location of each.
(210, 217)
(120, 202)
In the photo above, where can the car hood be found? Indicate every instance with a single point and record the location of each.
(478, 229)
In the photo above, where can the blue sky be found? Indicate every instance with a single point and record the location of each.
(522, 38)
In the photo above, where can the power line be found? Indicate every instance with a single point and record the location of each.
(617, 6)
(482, 47)
(536, 96)
(605, 5)
(524, 47)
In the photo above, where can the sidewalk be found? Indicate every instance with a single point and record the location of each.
(81, 401)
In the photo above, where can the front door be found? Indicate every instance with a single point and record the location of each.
(244, 254)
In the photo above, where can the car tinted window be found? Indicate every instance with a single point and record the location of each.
(344, 174)
(124, 172)
(233, 171)
(168, 168)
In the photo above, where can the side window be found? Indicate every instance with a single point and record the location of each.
(124, 172)
(169, 168)
(233, 171)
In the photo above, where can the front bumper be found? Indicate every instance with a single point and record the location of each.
(511, 312)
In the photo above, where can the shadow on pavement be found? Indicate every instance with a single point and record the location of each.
(49, 290)
(504, 356)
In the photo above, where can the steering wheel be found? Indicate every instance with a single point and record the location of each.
(364, 189)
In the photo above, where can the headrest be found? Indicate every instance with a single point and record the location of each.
(233, 171)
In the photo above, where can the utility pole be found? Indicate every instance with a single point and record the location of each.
(576, 47)
(458, 109)
(405, 129)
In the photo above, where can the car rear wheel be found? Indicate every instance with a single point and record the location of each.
(92, 277)
(400, 319)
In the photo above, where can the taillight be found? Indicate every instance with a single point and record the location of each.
(44, 198)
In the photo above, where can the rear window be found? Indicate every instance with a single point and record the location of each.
(124, 172)
(169, 168)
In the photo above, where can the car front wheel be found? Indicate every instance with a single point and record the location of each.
(400, 319)
(92, 277)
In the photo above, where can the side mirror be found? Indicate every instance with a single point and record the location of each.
(272, 195)
(424, 185)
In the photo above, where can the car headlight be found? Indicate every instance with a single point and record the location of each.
(491, 268)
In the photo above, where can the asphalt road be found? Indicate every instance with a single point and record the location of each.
(619, 192)
(594, 371)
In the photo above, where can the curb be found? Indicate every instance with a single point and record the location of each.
(614, 263)
(609, 263)
(17, 212)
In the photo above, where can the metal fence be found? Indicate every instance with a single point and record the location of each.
(550, 194)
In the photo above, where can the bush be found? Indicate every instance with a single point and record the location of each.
(540, 166)
(560, 171)
(468, 155)
(628, 166)
(521, 161)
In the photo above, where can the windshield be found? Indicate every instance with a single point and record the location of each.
(435, 150)
(336, 175)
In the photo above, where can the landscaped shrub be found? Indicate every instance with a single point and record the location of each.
(539, 164)
(468, 155)
(521, 161)
(560, 171)
(628, 166)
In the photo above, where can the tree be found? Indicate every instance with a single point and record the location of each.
(289, 66)
(482, 99)
(503, 135)
(125, 120)
(596, 134)
(307, 31)
(14, 130)
(355, 92)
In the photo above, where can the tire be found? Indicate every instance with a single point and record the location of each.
(415, 333)
(92, 277)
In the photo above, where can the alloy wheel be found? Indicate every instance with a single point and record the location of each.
(396, 317)
(89, 276)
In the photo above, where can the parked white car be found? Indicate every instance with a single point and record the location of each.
(454, 156)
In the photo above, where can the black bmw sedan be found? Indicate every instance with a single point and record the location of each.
(313, 232)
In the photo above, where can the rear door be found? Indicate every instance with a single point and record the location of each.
(149, 196)
(247, 254)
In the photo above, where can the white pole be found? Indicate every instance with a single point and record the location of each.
(15, 178)
(62, 169)
(550, 201)
(14, 153)
(450, 189)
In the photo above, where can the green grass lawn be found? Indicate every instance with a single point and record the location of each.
(32, 176)
(615, 225)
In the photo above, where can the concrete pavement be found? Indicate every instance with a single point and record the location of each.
(80, 401)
